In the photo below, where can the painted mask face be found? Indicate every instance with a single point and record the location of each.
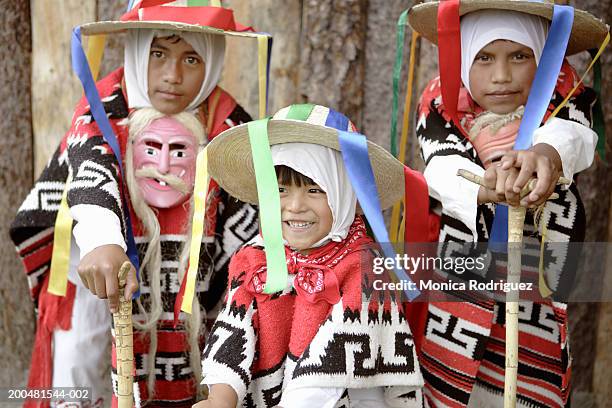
(164, 163)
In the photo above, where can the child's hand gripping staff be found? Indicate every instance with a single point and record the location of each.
(124, 344)
(516, 219)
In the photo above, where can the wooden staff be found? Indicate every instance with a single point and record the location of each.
(124, 343)
(516, 222)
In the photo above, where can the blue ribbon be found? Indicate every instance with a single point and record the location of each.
(354, 149)
(541, 93)
(336, 120)
(81, 68)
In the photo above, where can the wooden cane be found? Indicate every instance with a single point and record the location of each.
(516, 222)
(124, 343)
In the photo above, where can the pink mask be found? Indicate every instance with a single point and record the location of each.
(164, 162)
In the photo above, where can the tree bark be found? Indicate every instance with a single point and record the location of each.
(56, 89)
(332, 70)
(589, 322)
(16, 312)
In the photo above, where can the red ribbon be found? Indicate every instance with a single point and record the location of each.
(416, 209)
(216, 17)
(449, 57)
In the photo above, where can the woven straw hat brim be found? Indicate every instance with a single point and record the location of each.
(231, 165)
(110, 27)
(587, 32)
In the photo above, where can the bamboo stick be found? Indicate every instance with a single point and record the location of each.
(124, 341)
(516, 222)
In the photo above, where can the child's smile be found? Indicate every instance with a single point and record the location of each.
(306, 215)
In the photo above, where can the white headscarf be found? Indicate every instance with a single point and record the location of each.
(210, 47)
(481, 27)
(326, 168)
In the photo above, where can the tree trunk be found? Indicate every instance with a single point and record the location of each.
(332, 70)
(589, 322)
(16, 312)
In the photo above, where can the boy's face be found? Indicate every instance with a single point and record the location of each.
(176, 73)
(305, 215)
(501, 76)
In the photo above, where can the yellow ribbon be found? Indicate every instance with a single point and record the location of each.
(396, 233)
(604, 44)
(262, 65)
(62, 233)
(95, 50)
(542, 285)
(197, 228)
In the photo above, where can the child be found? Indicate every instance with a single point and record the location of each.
(463, 351)
(322, 341)
(173, 67)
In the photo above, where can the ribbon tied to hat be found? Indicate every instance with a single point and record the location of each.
(185, 12)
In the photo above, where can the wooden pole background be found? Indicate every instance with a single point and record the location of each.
(338, 53)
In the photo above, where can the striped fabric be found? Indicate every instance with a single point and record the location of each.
(316, 115)
(177, 3)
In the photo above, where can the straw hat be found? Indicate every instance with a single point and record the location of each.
(230, 162)
(177, 15)
(587, 32)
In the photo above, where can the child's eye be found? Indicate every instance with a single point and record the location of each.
(192, 60)
(156, 54)
(482, 58)
(521, 57)
(316, 191)
(282, 189)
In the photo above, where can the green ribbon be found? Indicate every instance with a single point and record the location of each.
(197, 3)
(269, 206)
(397, 73)
(300, 112)
(599, 125)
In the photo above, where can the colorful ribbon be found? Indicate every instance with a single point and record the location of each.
(537, 103)
(269, 206)
(449, 57)
(197, 229)
(397, 73)
(395, 234)
(81, 68)
(62, 237)
(214, 17)
(264, 54)
(354, 149)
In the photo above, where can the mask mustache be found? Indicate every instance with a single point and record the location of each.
(173, 181)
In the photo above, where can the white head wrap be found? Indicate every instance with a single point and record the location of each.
(326, 168)
(481, 27)
(210, 47)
